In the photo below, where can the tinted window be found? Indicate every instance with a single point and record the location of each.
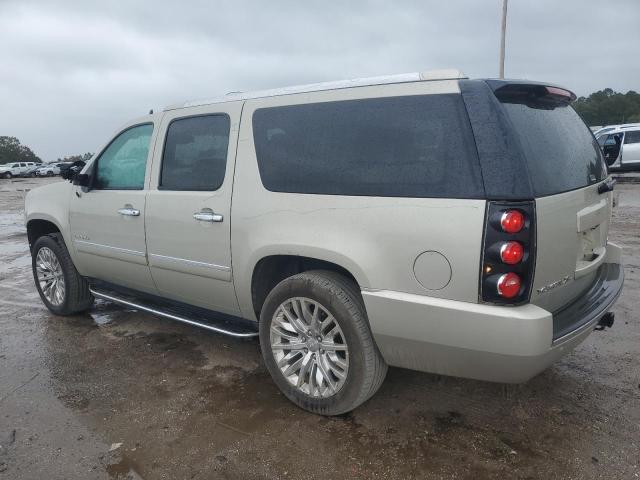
(560, 151)
(419, 146)
(195, 153)
(632, 137)
(122, 165)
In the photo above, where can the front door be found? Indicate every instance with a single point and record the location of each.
(189, 205)
(107, 219)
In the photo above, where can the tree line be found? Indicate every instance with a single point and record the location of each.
(608, 107)
(11, 150)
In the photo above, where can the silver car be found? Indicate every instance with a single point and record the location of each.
(621, 148)
(425, 221)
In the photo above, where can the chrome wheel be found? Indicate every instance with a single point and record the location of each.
(309, 347)
(50, 276)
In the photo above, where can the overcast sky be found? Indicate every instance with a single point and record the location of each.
(72, 71)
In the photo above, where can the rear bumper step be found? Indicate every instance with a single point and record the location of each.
(201, 318)
(590, 305)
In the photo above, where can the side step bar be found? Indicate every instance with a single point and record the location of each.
(209, 322)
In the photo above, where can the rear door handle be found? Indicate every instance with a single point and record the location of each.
(129, 211)
(205, 216)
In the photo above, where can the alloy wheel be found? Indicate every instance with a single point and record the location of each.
(50, 276)
(309, 347)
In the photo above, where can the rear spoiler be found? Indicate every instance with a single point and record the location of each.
(532, 94)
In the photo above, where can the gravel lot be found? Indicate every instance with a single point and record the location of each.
(121, 394)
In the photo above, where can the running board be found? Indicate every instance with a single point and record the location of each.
(211, 321)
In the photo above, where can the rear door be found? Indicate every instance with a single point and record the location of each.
(189, 205)
(565, 167)
(631, 149)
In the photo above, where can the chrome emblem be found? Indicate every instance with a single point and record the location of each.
(551, 286)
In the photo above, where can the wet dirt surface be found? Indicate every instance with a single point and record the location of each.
(119, 394)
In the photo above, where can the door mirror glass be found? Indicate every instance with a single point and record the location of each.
(82, 180)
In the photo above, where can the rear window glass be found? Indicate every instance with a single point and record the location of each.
(195, 153)
(632, 137)
(418, 146)
(559, 149)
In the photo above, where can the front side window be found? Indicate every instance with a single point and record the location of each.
(195, 153)
(122, 165)
(413, 146)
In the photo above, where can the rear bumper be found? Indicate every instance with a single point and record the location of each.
(485, 342)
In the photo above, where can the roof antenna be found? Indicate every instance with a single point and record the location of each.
(151, 112)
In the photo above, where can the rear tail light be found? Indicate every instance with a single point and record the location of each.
(508, 285)
(512, 221)
(508, 253)
(511, 253)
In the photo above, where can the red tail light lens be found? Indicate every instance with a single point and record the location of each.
(511, 253)
(509, 285)
(512, 221)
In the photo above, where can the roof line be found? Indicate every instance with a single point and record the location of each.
(448, 74)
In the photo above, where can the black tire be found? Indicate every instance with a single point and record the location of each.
(7, 175)
(32, 174)
(341, 297)
(77, 296)
(49, 173)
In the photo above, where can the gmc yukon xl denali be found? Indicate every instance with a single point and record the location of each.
(425, 221)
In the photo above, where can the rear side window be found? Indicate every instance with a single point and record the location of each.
(632, 137)
(560, 151)
(122, 165)
(417, 146)
(195, 153)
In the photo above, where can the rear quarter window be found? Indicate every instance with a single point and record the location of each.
(414, 146)
(560, 151)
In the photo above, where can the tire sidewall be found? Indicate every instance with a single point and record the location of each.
(56, 248)
(300, 286)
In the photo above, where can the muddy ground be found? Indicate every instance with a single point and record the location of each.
(120, 394)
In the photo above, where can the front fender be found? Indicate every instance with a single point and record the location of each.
(51, 203)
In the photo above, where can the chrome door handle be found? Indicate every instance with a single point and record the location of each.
(129, 211)
(208, 217)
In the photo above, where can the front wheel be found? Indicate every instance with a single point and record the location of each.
(317, 345)
(62, 289)
(7, 175)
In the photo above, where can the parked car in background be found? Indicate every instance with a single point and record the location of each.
(49, 170)
(621, 147)
(601, 130)
(69, 169)
(425, 221)
(17, 169)
(31, 171)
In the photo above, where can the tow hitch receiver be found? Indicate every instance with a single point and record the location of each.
(606, 321)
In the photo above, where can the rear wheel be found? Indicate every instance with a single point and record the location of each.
(317, 345)
(49, 173)
(62, 289)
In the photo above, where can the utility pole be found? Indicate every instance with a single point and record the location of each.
(502, 37)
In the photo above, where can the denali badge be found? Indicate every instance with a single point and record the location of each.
(551, 286)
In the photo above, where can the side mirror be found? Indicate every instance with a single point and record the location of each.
(82, 180)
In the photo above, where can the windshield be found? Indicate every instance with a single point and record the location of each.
(559, 149)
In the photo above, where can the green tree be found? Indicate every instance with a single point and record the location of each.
(608, 107)
(11, 150)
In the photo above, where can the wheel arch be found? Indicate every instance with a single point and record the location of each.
(38, 227)
(271, 269)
